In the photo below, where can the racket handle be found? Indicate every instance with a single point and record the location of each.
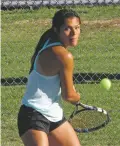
(76, 103)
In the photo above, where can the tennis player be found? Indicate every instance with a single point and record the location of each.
(41, 120)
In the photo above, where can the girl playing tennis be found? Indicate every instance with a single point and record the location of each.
(41, 121)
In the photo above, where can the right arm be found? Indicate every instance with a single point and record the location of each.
(66, 75)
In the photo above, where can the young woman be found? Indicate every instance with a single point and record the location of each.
(41, 121)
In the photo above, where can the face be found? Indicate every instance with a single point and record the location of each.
(70, 32)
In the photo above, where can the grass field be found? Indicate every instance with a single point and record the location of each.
(97, 52)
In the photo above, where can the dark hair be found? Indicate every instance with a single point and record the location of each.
(61, 15)
(57, 22)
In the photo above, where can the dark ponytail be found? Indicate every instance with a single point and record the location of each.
(39, 46)
(48, 34)
(57, 22)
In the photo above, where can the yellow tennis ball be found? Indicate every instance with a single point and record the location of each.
(106, 83)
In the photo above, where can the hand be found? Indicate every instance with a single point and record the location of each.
(76, 103)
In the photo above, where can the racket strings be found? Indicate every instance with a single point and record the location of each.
(88, 119)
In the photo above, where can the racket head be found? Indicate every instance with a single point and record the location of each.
(89, 119)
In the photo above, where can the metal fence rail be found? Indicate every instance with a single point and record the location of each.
(78, 78)
(11, 4)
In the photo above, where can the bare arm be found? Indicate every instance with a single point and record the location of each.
(66, 75)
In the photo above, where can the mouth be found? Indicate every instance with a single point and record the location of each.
(73, 39)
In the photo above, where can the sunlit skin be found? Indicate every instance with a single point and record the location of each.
(61, 60)
(70, 32)
(52, 61)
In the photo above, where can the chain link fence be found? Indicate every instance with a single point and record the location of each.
(32, 4)
(96, 57)
(8, 4)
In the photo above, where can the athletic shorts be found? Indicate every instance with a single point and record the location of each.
(29, 118)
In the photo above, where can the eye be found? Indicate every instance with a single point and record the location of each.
(77, 27)
(67, 29)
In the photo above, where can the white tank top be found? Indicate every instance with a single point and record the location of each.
(43, 93)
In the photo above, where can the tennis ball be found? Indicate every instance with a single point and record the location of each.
(105, 83)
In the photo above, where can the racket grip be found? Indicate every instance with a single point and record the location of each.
(76, 103)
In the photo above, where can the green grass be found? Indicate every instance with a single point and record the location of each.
(89, 13)
(91, 94)
(98, 51)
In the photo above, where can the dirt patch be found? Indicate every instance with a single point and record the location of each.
(96, 23)
(103, 23)
(39, 21)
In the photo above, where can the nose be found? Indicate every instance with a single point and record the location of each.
(73, 32)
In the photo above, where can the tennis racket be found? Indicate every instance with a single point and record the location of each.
(87, 118)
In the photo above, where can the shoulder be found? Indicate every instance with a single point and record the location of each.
(63, 55)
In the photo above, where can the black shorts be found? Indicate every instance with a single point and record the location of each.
(28, 118)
